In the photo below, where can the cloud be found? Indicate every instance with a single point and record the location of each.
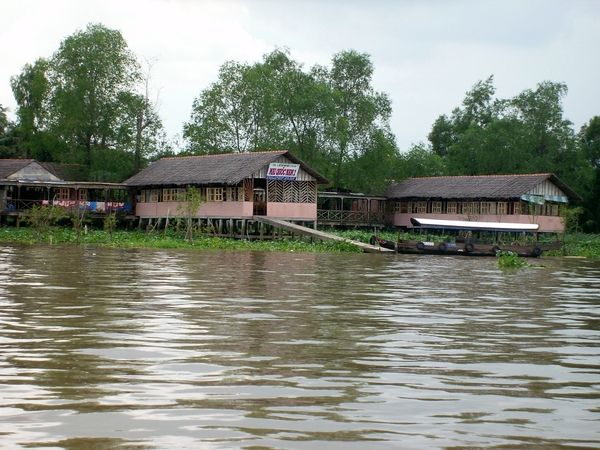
(426, 54)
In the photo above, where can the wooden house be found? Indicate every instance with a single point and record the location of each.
(275, 184)
(536, 198)
(27, 182)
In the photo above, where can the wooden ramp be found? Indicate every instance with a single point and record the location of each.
(289, 226)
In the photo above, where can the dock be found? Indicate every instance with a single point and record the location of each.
(305, 231)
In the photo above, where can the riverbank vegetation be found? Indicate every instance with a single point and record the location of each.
(164, 240)
(576, 244)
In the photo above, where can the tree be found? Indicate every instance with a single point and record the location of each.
(90, 75)
(525, 134)
(358, 109)
(227, 117)
(589, 138)
(192, 200)
(420, 161)
(330, 118)
(374, 168)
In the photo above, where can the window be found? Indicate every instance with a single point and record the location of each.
(436, 207)
(451, 208)
(502, 208)
(553, 210)
(474, 207)
(63, 194)
(234, 194)
(154, 195)
(517, 208)
(214, 194)
(398, 207)
(421, 207)
(82, 195)
(484, 208)
(169, 195)
(465, 208)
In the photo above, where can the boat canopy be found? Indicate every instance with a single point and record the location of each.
(467, 225)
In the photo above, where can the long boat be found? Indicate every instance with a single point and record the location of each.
(459, 237)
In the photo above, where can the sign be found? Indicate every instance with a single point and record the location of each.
(281, 171)
(541, 199)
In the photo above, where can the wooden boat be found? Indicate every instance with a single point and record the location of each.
(471, 239)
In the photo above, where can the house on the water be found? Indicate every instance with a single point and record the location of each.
(235, 186)
(526, 199)
(27, 182)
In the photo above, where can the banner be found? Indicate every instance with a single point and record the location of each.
(281, 171)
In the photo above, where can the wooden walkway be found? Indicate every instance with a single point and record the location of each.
(367, 248)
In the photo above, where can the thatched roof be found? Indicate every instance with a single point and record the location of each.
(474, 187)
(66, 172)
(228, 169)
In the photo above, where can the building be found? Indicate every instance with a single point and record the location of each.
(27, 182)
(536, 198)
(275, 184)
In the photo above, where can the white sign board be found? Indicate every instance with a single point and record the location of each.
(281, 171)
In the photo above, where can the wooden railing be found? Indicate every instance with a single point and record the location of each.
(23, 205)
(353, 217)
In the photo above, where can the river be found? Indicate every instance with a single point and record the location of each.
(166, 349)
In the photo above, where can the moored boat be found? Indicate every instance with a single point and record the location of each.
(454, 237)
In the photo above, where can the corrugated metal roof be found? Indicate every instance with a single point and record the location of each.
(230, 168)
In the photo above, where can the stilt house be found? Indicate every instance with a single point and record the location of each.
(275, 184)
(525, 199)
(27, 182)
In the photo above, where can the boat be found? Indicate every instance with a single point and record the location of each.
(468, 238)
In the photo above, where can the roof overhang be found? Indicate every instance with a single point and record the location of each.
(472, 226)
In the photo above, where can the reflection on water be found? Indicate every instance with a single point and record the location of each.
(104, 348)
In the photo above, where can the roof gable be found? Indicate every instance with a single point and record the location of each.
(477, 187)
(230, 169)
(25, 169)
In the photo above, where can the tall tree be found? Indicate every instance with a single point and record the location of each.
(31, 89)
(589, 137)
(358, 109)
(89, 76)
(328, 117)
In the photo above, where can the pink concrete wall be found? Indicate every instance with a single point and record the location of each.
(208, 209)
(292, 210)
(547, 223)
(230, 209)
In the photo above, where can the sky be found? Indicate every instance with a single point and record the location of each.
(426, 53)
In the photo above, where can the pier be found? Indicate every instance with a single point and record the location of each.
(299, 229)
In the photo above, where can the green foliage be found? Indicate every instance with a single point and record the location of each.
(330, 118)
(41, 218)
(525, 134)
(510, 260)
(168, 239)
(83, 106)
(110, 224)
(420, 161)
(189, 208)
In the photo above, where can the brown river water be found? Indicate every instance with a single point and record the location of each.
(167, 349)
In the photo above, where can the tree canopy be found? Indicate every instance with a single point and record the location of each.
(82, 105)
(330, 117)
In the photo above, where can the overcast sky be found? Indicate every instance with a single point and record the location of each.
(427, 53)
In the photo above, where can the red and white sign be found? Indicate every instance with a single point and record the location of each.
(281, 171)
